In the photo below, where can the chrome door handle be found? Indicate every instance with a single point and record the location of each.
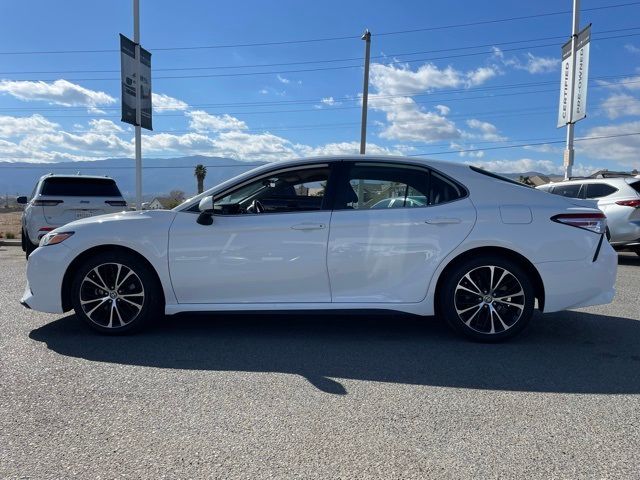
(308, 226)
(443, 221)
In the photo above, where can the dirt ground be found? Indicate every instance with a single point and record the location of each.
(10, 223)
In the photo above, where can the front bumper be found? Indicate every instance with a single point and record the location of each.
(582, 283)
(45, 271)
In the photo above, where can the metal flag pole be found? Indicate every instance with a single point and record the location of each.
(569, 151)
(366, 36)
(138, 128)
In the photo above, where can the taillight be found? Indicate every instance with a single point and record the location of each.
(629, 203)
(116, 203)
(594, 222)
(47, 203)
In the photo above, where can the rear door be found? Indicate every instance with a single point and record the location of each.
(65, 199)
(388, 255)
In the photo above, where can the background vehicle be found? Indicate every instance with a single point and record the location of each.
(617, 197)
(59, 199)
(301, 235)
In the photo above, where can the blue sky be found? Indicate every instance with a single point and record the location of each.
(429, 93)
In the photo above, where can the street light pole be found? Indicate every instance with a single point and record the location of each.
(138, 128)
(366, 36)
(569, 151)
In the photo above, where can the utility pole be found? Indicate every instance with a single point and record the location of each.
(569, 152)
(138, 128)
(366, 36)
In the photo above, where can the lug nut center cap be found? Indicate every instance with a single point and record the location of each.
(113, 295)
(488, 299)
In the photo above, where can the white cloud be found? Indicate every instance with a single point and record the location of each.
(104, 126)
(443, 109)
(82, 143)
(329, 101)
(188, 143)
(35, 124)
(622, 149)
(408, 122)
(620, 105)
(487, 131)
(344, 148)
(401, 80)
(282, 79)
(59, 92)
(524, 165)
(205, 122)
(246, 146)
(632, 48)
(165, 103)
(628, 83)
(264, 91)
(532, 63)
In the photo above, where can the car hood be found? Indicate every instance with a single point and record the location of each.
(143, 216)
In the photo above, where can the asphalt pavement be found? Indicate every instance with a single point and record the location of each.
(319, 396)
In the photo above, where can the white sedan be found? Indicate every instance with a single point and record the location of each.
(482, 252)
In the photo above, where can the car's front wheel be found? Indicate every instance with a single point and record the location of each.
(116, 292)
(487, 298)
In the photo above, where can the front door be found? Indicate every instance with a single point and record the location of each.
(391, 227)
(267, 243)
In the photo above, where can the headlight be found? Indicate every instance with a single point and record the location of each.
(54, 238)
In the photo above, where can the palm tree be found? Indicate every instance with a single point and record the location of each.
(200, 172)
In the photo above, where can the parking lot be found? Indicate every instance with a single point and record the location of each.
(319, 396)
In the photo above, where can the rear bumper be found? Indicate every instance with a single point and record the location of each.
(581, 283)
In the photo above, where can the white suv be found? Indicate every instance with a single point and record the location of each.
(59, 199)
(617, 197)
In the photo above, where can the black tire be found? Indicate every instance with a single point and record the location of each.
(483, 316)
(122, 309)
(27, 246)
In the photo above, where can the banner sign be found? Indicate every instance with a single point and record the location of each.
(582, 75)
(566, 88)
(130, 85)
(576, 91)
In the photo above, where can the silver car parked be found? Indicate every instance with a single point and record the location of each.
(617, 197)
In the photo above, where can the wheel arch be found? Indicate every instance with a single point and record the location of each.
(68, 274)
(512, 255)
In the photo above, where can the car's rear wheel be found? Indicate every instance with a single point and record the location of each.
(488, 298)
(116, 293)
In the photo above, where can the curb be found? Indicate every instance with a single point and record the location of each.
(10, 243)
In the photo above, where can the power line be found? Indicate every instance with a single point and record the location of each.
(346, 99)
(328, 39)
(332, 60)
(309, 70)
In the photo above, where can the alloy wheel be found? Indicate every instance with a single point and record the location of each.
(489, 299)
(111, 295)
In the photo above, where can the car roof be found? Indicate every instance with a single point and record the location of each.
(579, 181)
(62, 175)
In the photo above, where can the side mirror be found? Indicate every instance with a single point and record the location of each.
(206, 204)
(22, 200)
(206, 211)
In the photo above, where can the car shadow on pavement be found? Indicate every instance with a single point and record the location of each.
(568, 352)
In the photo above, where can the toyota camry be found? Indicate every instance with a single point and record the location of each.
(478, 250)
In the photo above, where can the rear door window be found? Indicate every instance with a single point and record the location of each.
(80, 187)
(635, 186)
(599, 190)
(572, 191)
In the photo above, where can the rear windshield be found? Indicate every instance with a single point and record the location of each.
(635, 186)
(497, 177)
(80, 187)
